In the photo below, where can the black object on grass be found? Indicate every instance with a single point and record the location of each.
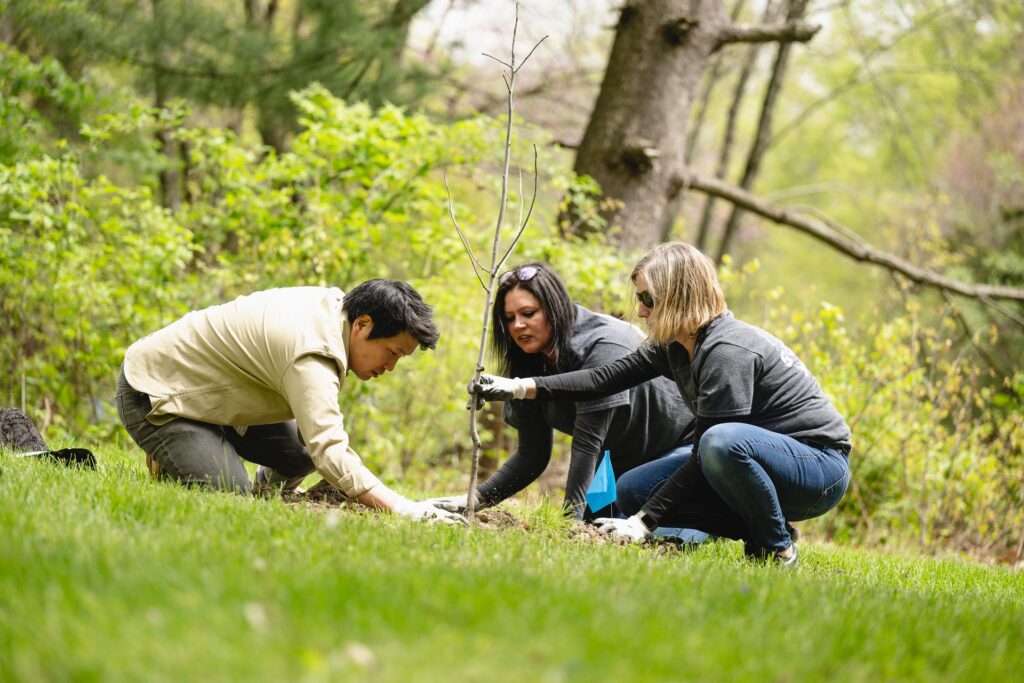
(81, 457)
(19, 434)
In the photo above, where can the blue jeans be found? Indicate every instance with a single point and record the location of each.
(752, 480)
(634, 488)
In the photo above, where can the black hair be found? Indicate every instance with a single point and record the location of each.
(558, 308)
(395, 307)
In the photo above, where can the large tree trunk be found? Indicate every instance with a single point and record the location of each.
(634, 142)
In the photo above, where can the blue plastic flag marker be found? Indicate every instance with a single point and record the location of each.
(601, 493)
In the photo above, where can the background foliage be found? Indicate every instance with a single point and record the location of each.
(909, 132)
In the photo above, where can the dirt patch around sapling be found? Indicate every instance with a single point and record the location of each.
(322, 497)
(588, 533)
(500, 520)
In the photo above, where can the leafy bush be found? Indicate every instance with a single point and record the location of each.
(87, 266)
(38, 102)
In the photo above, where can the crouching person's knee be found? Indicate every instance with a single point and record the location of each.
(718, 448)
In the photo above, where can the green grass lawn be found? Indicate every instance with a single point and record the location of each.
(109, 576)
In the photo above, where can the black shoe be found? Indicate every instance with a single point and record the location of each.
(754, 552)
(268, 482)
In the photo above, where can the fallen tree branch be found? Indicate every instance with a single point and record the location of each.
(854, 247)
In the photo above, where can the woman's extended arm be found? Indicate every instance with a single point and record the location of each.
(647, 362)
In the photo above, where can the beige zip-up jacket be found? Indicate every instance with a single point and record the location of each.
(263, 358)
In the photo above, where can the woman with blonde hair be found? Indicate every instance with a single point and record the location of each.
(770, 446)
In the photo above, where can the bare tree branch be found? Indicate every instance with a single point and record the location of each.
(856, 249)
(522, 222)
(503, 63)
(475, 262)
(523, 63)
(788, 32)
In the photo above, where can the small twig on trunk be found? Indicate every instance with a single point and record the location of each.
(522, 222)
(474, 261)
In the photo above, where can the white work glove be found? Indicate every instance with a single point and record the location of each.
(632, 529)
(427, 512)
(456, 504)
(495, 388)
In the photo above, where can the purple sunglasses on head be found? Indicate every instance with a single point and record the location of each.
(522, 274)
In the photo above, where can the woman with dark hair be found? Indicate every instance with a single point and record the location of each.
(537, 330)
(771, 447)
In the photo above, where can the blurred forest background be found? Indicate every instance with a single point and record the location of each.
(158, 156)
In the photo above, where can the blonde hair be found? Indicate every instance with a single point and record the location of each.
(684, 285)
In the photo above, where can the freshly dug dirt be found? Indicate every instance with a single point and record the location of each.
(324, 493)
(588, 533)
(500, 520)
(323, 497)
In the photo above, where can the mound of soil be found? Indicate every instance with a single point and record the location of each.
(588, 533)
(500, 519)
(321, 497)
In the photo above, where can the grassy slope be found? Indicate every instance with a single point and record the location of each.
(108, 576)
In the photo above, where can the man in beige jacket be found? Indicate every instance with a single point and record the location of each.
(258, 379)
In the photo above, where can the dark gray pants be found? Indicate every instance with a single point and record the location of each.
(193, 452)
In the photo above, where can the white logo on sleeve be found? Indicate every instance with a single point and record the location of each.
(790, 360)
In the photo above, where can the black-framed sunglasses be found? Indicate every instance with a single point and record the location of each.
(645, 298)
(522, 274)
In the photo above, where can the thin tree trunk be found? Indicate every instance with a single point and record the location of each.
(170, 176)
(764, 129)
(729, 136)
(703, 102)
